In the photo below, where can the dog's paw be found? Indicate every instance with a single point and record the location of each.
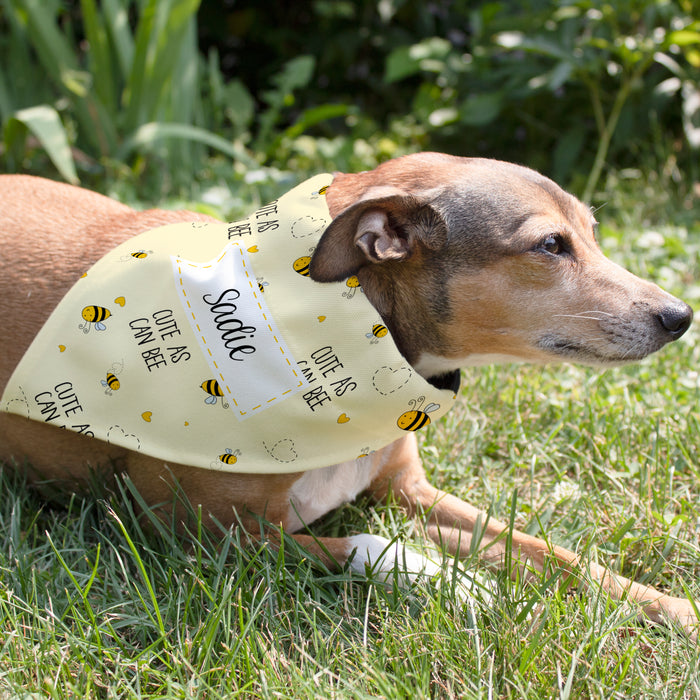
(384, 559)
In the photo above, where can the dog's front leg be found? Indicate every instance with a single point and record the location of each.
(454, 524)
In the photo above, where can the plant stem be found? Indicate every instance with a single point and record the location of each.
(606, 133)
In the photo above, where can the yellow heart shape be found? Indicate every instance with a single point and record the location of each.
(343, 418)
(321, 319)
(120, 300)
(62, 348)
(253, 249)
(146, 415)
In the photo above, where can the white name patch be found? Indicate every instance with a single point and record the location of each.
(236, 331)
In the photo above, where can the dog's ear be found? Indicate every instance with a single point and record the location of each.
(386, 224)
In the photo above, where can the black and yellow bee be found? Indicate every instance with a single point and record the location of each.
(230, 457)
(378, 331)
(262, 284)
(301, 265)
(137, 255)
(111, 382)
(95, 315)
(212, 387)
(418, 417)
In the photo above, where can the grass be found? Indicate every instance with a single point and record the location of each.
(94, 604)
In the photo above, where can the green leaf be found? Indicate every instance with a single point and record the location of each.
(240, 105)
(43, 121)
(400, 65)
(149, 134)
(315, 115)
(479, 110)
(295, 74)
(683, 37)
(428, 55)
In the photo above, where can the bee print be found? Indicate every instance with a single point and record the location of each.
(111, 383)
(378, 331)
(262, 284)
(322, 191)
(214, 391)
(137, 255)
(94, 315)
(417, 417)
(353, 284)
(301, 265)
(229, 457)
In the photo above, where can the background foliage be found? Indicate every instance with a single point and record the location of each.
(227, 104)
(163, 94)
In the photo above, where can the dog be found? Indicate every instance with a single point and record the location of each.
(466, 261)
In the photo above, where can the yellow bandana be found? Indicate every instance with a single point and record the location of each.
(209, 345)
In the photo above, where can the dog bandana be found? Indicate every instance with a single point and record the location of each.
(209, 345)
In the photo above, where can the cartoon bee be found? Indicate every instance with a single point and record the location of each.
(366, 452)
(94, 315)
(417, 417)
(213, 388)
(353, 284)
(137, 254)
(262, 284)
(378, 331)
(301, 265)
(322, 191)
(229, 457)
(111, 383)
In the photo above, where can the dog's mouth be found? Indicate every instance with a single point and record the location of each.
(567, 349)
(615, 354)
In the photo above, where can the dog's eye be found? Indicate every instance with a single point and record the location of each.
(554, 245)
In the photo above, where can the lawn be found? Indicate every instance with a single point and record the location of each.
(95, 603)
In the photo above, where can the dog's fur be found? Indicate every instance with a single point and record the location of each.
(467, 260)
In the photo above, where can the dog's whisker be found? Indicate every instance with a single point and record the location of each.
(588, 315)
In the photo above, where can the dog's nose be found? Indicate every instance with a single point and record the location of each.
(676, 319)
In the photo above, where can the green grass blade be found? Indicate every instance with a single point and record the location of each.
(99, 55)
(159, 37)
(117, 21)
(153, 613)
(53, 49)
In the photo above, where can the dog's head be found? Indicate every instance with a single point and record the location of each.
(471, 260)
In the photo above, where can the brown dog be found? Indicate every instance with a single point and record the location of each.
(467, 261)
